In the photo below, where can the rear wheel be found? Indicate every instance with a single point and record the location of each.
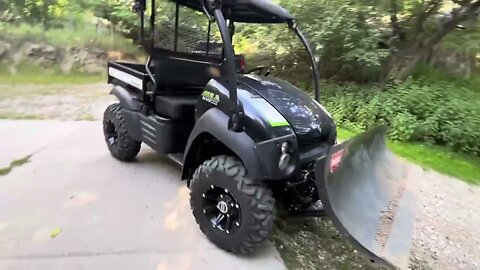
(120, 144)
(234, 212)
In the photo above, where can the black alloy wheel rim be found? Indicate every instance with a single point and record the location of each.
(111, 133)
(222, 209)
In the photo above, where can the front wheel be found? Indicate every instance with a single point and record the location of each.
(234, 212)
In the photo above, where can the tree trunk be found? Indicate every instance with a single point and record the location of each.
(394, 63)
(409, 67)
(402, 62)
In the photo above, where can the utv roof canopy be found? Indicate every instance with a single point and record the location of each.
(247, 11)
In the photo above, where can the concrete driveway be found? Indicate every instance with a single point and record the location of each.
(112, 215)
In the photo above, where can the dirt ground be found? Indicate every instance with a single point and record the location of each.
(59, 102)
(447, 234)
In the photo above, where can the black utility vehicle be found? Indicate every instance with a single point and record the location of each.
(249, 143)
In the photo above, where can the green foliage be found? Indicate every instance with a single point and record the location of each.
(346, 38)
(46, 12)
(353, 39)
(71, 21)
(439, 113)
(118, 13)
(429, 74)
(83, 37)
(48, 79)
(16, 163)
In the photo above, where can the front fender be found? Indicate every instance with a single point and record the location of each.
(215, 123)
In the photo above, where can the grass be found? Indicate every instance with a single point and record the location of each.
(86, 117)
(16, 163)
(436, 158)
(32, 91)
(29, 73)
(434, 75)
(37, 78)
(19, 116)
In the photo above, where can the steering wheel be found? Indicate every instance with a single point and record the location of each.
(261, 71)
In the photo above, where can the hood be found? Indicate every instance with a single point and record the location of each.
(306, 116)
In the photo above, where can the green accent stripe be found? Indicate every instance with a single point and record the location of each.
(279, 124)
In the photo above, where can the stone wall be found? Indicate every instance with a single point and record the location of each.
(17, 54)
(460, 62)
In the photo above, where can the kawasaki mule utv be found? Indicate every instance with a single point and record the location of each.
(249, 143)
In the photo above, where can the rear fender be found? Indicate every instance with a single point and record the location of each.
(127, 101)
(215, 123)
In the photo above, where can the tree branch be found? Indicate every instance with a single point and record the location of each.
(423, 17)
(397, 31)
(457, 17)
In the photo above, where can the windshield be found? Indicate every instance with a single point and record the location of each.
(275, 46)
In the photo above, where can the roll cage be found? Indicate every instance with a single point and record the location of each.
(225, 13)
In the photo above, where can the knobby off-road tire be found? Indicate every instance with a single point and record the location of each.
(120, 144)
(255, 201)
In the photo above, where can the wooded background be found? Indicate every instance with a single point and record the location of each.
(411, 64)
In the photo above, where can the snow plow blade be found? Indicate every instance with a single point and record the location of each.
(370, 197)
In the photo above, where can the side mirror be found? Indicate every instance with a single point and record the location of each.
(139, 6)
(231, 27)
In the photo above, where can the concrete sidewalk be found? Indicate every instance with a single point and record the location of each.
(112, 215)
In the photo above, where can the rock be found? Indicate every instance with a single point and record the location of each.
(89, 60)
(4, 48)
(49, 49)
(43, 54)
(66, 66)
(31, 49)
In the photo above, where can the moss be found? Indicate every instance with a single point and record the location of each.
(16, 163)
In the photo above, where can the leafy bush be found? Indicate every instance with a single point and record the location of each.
(85, 36)
(438, 113)
(344, 35)
(347, 42)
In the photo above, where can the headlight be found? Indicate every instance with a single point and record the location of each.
(284, 161)
(286, 157)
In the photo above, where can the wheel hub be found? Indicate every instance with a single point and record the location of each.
(111, 133)
(222, 209)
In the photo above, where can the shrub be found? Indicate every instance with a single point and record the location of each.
(438, 113)
(85, 36)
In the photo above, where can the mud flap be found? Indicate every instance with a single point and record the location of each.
(370, 197)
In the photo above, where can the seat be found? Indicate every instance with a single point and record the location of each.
(184, 71)
(176, 107)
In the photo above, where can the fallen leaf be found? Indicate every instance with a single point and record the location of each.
(55, 232)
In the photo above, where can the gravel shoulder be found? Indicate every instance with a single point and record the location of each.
(447, 234)
(57, 102)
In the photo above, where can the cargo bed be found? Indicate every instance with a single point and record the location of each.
(129, 75)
